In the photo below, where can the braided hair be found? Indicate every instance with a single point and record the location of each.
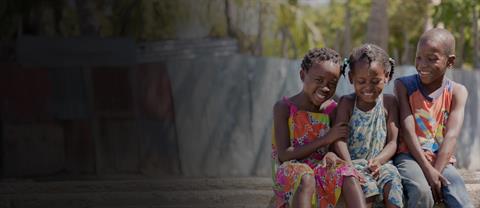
(317, 55)
(370, 53)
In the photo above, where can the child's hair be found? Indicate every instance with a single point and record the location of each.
(443, 36)
(318, 55)
(370, 53)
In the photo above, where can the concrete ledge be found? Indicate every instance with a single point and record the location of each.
(171, 192)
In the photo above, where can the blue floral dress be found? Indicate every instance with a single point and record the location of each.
(367, 138)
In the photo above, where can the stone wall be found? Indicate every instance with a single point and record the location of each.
(223, 112)
(469, 142)
(193, 114)
(104, 108)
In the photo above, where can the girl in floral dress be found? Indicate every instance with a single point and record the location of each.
(305, 173)
(373, 122)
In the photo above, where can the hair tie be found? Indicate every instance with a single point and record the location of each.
(345, 64)
(392, 67)
(391, 60)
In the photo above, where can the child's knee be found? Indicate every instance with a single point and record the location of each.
(387, 186)
(452, 175)
(371, 200)
(350, 180)
(420, 191)
(307, 183)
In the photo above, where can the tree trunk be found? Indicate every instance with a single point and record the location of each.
(86, 19)
(377, 25)
(127, 16)
(57, 15)
(292, 43)
(406, 59)
(230, 30)
(336, 44)
(476, 64)
(287, 38)
(347, 38)
(284, 46)
(460, 46)
(258, 42)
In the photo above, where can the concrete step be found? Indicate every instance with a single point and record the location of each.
(142, 193)
(474, 191)
(129, 185)
(128, 193)
(203, 198)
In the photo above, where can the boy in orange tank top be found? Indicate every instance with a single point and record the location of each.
(431, 116)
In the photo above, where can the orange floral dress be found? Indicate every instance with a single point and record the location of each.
(305, 127)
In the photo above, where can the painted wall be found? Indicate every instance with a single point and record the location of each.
(189, 115)
(223, 112)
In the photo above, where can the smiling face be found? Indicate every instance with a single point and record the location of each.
(320, 81)
(432, 62)
(368, 82)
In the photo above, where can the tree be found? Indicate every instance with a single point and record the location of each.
(456, 16)
(377, 26)
(347, 39)
(407, 20)
(476, 61)
(88, 23)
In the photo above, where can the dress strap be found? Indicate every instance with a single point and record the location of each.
(293, 108)
(330, 107)
(449, 85)
(378, 104)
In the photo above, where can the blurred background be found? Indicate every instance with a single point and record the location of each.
(285, 28)
(157, 89)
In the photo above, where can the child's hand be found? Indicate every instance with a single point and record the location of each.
(436, 181)
(374, 166)
(339, 131)
(330, 160)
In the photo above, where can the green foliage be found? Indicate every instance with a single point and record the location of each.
(8, 19)
(68, 24)
(326, 25)
(407, 22)
(15, 13)
(280, 28)
(456, 15)
(160, 19)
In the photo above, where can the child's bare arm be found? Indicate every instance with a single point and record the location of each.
(344, 111)
(454, 125)
(285, 152)
(392, 130)
(407, 124)
(280, 122)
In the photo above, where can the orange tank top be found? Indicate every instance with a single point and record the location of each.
(430, 113)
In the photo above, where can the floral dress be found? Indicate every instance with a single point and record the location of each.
(367, 138)
(305, 127)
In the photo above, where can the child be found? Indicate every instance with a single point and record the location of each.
(431, 116)
(373, 119)
(305, 174)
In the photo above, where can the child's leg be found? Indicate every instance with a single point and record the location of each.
(352, 193)
(288, 177)
(392, 186)
(455, 194)
(386, 191)
(304, 193)
(370, 201)
(415, 185)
